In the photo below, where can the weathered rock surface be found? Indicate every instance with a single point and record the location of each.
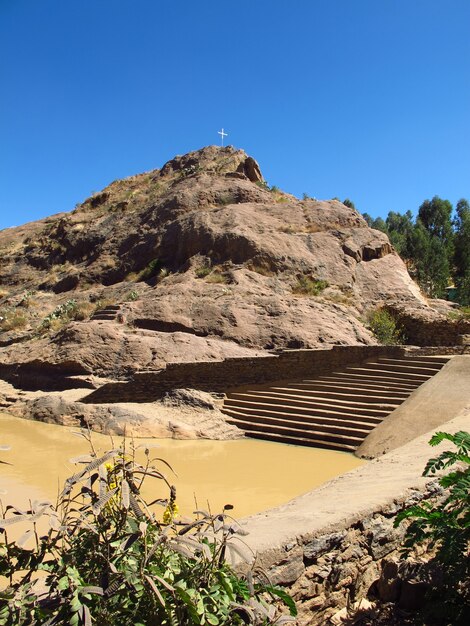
(187, 414)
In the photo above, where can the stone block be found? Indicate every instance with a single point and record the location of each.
(318, 546)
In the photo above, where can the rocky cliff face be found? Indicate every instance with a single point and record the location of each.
(200, 260)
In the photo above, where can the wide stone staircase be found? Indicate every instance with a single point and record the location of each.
(336, 410)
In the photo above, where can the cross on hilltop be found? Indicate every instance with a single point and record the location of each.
(222, 135)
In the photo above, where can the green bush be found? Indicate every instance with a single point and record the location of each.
(384, 328)
(444, 527)
(132, 296)
(150, 270)
(65, 312)
(107, 559)
(309, 286)
(203, 271)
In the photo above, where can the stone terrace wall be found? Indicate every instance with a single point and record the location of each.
(338, 541)
(222, 375)
(323, 574)
(423, 331)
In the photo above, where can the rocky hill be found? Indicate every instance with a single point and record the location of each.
(199, 260)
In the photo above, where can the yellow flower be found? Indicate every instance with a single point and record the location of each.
(170, 512)
(111, 482)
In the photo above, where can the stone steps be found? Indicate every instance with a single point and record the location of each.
(361, 422)
(108, 313)
(334, 411)
(291, 403)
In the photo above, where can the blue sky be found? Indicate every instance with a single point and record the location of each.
(366, 99)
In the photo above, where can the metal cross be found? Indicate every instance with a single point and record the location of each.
(222, 134)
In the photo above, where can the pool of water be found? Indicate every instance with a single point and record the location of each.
(251, 475)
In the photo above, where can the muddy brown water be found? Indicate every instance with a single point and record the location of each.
(251, 475)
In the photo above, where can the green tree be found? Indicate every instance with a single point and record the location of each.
(429, 256)
(369, 219)
(436, 215)
(375, 222)
(462, 251)
(379, 224)
(399, 229)
(349, 203)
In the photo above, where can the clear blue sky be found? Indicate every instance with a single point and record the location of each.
(366, 99)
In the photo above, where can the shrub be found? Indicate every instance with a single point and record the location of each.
(384, 328)
(444, 526)
(462, 313)
(25, 300)
(132, 296)
(309, 286)
(82, 311)
(63, 313)
(109, 560)
(203, 271)
(150, 270)
(263, 185)
(260, 268)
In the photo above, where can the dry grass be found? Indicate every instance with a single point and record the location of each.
(289, 229)
(12, 321)
(339, 297)
(4, 292)
(217, 277)
(83, 311)
(313, 228)
(261, 269)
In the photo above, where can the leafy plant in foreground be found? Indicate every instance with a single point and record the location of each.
(445, 527)
(106, 558)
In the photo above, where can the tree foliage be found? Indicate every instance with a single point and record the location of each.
(444, 527)
(435, 246)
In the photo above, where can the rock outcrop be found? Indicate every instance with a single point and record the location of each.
(201, 260)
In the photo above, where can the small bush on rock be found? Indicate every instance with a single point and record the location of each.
(61, 314)
(384, 328)
(309, 286)
(203, 271)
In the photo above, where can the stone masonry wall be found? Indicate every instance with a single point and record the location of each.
(327, 571)
(421, 330)
(223, 375)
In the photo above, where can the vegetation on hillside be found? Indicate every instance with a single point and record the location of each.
(435, 245)
(385, 328)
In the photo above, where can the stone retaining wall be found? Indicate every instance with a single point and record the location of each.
(422, 331)
(337, 542)
(326, 572)
(222, 375)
